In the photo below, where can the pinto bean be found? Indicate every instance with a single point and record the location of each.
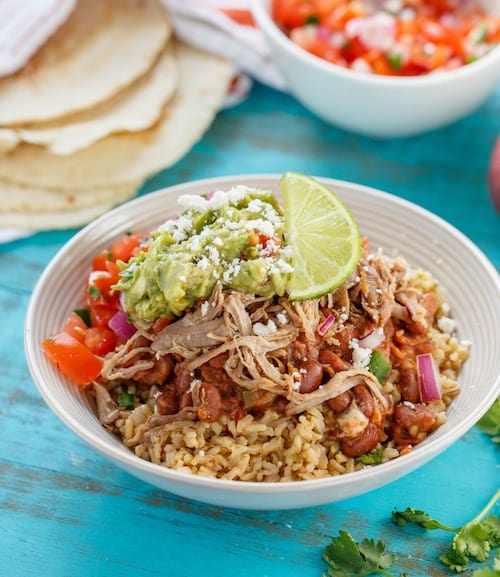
(186, 400)
(363, 443)
(301, 349)
(157, 374)
(219, 361)
(419, 415)
(183, 378)
(340, 403)
(408, 385)
(364, 400)
(411, 424)
(211, 403)
(328, 357)
(311, 374)
(167, 403)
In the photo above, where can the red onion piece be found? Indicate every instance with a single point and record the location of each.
(428, 378)
(120, 325)
(325, 325)
(373, 339)
(210, 195)
(323, 32)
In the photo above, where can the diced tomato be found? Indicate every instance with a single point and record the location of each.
(100, 340)
(76, 327)
(72, 358)
(101, 314)
(99, 262)
(293, 13)
(123, 248)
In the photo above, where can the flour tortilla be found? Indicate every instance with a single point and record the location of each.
(122, 158)
(16, 199)
(135, 108)
(50, 210)
(103, 47)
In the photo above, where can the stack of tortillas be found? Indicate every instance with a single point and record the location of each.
(110, 99)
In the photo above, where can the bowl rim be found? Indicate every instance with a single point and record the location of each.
(130, 461)
(270, 28)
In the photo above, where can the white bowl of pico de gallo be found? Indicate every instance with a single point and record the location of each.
(389, 68)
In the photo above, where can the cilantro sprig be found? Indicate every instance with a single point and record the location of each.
(473, 540)
(347, 558)
(490, 422)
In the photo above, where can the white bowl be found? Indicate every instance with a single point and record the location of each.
(375, 105)
(470, 281)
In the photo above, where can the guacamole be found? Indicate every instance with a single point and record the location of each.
(234, 237)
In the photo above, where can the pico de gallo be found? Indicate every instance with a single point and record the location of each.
(390, 37)
(100, 324)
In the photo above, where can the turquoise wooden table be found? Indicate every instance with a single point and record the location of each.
(66, 512)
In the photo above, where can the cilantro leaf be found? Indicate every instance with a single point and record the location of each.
(372, 458)
(410, 515)
(490, 422)
(350, 559)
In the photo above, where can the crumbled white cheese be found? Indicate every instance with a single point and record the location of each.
(261, 329)
(446, 325)
(360, 356)
(282, 318)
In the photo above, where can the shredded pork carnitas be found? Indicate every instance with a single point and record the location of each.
(236, 353)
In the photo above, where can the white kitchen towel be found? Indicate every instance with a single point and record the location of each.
(207, 24)
(25, 25)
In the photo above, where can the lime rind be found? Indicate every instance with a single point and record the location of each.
(323, 234)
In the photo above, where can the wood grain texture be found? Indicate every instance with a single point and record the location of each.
(66, 512)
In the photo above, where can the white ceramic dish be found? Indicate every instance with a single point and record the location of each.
(467, 276)
(374, 105)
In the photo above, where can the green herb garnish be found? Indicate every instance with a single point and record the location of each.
(347, 558)
(126, 400)
(84, 314)
(372, 458)
(93, 292)
(473, 540)
(395, 60)
(490, 422)
(312, 20)
(379, 366)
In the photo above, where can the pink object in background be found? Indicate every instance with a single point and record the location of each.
(494, 175)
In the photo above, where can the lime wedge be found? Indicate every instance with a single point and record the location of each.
(323, 236)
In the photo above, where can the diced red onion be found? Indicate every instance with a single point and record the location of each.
(428, 378)
(120, 325)
(210, 195)
(323, 32)
(373, 339)
(325, 325)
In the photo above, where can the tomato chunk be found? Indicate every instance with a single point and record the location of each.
(123, 248)
(72, 358)
(100, 340)
(76, 327)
